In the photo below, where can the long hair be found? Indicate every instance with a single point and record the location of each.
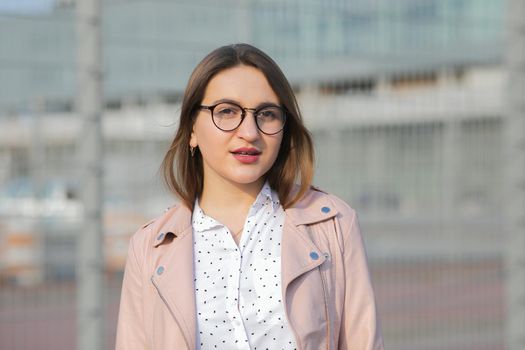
(183, 173)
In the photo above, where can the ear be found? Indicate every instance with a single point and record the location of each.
(193, 140)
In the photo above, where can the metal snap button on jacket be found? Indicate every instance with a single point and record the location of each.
(314, 255)
(160, 270)
(325, 209)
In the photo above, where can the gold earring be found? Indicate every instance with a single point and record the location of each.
(192, 151)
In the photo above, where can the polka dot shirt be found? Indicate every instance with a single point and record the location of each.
(238, 288)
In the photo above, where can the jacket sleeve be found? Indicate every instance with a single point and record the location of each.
(359, 324)
(130, 328)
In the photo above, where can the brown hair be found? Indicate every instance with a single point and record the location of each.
(296, 155)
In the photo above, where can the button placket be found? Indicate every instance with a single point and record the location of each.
(233, 289)
(233, 293)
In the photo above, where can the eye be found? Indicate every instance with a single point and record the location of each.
(269, 113)
(225, 110)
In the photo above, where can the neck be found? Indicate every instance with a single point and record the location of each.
(228, 197)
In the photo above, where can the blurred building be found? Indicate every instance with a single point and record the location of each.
(356, 65)
(151, 46)
(329, 48)
(404, 99)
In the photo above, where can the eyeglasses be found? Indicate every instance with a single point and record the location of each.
(228, 116)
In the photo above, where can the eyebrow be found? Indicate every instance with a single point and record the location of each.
(227, 100)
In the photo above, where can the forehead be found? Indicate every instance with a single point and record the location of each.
(244, 84)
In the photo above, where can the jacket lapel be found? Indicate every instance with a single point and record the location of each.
(298, 253)
(173, 276)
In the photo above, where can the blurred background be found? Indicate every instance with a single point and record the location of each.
(408, 103)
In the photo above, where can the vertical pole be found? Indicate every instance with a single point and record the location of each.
(38, 163)
(450, 167)
(89, 107)
(515, 174)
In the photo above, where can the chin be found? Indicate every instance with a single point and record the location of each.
(247, 179)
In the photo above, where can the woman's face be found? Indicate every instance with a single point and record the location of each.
(224, 153)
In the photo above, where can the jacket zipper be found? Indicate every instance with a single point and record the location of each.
(325, 292)
(169, 309)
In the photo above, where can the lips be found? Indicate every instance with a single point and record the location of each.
(247, 151)
(246, 155)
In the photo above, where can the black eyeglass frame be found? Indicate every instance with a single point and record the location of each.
(244, 110)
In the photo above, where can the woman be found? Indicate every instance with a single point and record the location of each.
(248, 259)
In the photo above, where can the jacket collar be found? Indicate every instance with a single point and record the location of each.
(177, 223)
(315, 206)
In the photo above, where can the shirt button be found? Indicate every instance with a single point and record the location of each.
(160, 270)
(314, 255)
(161, 236)
(325, 209)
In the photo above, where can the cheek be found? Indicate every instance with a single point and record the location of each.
(211, 144)
(275, 145)
(202, 133)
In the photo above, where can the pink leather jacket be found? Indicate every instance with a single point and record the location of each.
(326, 286)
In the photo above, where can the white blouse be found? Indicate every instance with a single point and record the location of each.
(238, 288)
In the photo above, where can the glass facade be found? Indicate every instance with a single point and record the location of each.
(151, 46)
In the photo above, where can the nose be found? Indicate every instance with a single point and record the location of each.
(248, 129)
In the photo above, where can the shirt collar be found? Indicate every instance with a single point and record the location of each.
(263, 197)
(201, 222)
